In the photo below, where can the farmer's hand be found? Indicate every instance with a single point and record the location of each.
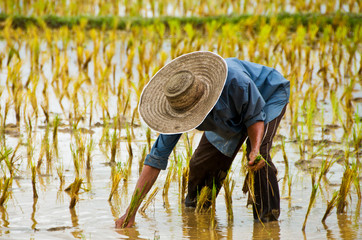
(120, 221)
(255, 166)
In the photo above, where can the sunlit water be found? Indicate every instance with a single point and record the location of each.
(93, 217)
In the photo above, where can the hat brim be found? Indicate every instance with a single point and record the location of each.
(154, 108)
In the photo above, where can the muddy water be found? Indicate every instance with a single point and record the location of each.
(93, 217)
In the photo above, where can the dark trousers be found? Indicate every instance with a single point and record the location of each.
(208, 167)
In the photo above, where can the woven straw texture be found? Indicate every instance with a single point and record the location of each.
(207, 67)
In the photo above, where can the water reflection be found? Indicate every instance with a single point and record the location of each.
(32, 217)
(4, 216)
(60, 196)
(77, 233)
(270, 230)
(329, 232)
(166, 204)
(345, 227)
(358, 211)
(197, 225)
(89, 178)
(131, 233)
(115, 210)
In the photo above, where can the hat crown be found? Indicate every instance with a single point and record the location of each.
(183, 91)
(178, 83)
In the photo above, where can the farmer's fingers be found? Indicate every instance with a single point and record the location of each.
(119, 222)
(257, 166)
(260, 165)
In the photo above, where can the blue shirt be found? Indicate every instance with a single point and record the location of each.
(252, 93)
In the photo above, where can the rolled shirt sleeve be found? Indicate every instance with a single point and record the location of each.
(161, 150)
(246, 98)
(253, 110)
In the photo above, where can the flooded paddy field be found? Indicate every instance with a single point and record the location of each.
(49, 216)
(69, 118)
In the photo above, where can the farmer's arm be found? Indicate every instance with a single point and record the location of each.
(154, 162)
(253, 118)
(145, 182)
(255, 133)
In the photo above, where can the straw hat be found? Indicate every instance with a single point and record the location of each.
(181, 94)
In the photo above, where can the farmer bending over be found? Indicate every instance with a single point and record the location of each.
(231, 101)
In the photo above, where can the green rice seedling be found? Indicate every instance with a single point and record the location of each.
(327, 166)
(29, 147)
(129, 63)
(286, 162)
(77, 113)
(44, 150)
(142, 159)
(121, 167)
(6, 111)
(301, 142)
(250, 180)
(90, 148)
(114, 146)
(116, 178)
(76, 163)
(346, 102)
(185, 177)
(311, 109)
(315, 185)
(105, 139)
(290, 181)
(213, 206)
(357, 136)
(134, 115)
(348, 177)
(330, 206)
(16, 85)
(56, 123)
(149, 200)
(357, 185)
(294, 113)
(178, 163)
(129, 143)
(229, 185)
(80, 142)
(126, 104)
(91, 111)
(48, 151)
(148, 138)
(311, 200)
(244, 158)
(6, 184)
(10, 160)
(45, 104)
(357, 213)
(166, 186)
(33, 180)
(135, 202)
(74, 192)
(188, 145)
(203, 199)
(40, 158)
(60, 172)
